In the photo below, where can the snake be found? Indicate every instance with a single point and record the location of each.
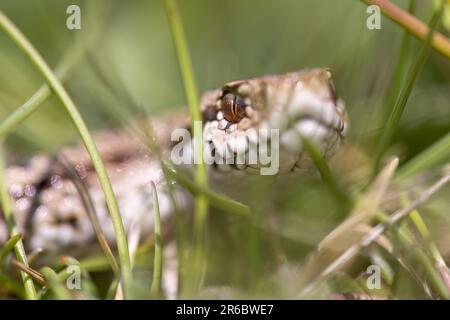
(51, 197)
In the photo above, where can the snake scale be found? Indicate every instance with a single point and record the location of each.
(49, 207)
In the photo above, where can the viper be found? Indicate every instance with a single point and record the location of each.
(52, 194)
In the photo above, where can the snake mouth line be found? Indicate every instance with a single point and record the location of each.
(287, 147)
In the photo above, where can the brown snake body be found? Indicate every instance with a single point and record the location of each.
(51, 212)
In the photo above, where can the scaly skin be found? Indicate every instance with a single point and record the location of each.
(52, 213)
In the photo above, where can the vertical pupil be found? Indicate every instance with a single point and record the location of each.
(233, 108)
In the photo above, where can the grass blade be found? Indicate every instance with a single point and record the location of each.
(62, 70)
(157, 264)
(201, 201)
(437, 153)
(439, 261)
(9, 246)
(216, 200)
(36, 275)
(401, 67)
(326, 173)
(89, 206)
(55, 284)
(400, 104)
(345, 234)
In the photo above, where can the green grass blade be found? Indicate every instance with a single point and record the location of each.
(89, 289)
(423, 230)
(34, 102)
(62, 70)
(431, 260)
(24, 111)
(55, 284)
(201, 201)
(111, 293)
(88, 204)
(400, 104)
(326, 173)
(418, 255)
(9, 246)
(216, 200)
(438, 152)
(398, 76)
(157, 264)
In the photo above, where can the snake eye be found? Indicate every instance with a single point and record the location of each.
(233, 108)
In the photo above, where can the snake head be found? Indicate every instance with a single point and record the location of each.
(298, 105)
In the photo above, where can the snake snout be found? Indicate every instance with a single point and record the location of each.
(297, 106)
(312, 117)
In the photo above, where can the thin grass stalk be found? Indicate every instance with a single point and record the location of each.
(400, 104)
(420, 256)
(201, 201)
(55, 284)
(216, 200)
(438, 152)
(9, 246)
(32, 104)
(157, 262)
(398, 76)
(413, 25)
(326, 174)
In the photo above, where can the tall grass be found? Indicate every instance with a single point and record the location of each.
(201, 201)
